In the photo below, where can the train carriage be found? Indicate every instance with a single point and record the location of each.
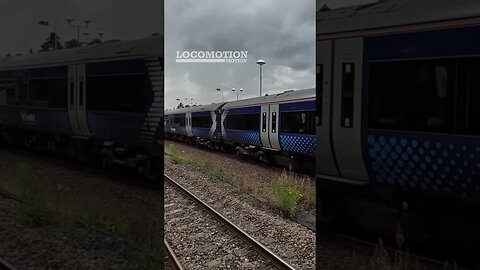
(267, 128)
(397, 87)
(99, 97)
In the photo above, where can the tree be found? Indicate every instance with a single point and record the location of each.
(49, 43)
(94, 41)
(71, 43)
(180, 105)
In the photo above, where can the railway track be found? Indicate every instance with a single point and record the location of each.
(5, 266)
(272, 259)
(171, 257)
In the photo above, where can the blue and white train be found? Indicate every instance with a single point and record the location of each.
(269, 128)
(104, 99)
(398, 88)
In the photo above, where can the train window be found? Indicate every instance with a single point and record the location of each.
(38, 93)
(201, 121)
(412, 95)
(348, 87)
(298, 122)
(58, 94)
(319, 93)
(469, 97)
(11, 95)
(116, 93)
(243, 121)
(179, 121)
(264, 122)
(3, 95)
(47, 93)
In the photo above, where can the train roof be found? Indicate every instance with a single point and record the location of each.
(200, 108)
(109, 50)
(393, 13)
(282, 97)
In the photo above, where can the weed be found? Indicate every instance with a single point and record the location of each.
(218, 174)
(35, 216)
(172, 152)
(286, 196)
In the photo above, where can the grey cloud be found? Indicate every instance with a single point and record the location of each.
(282, 32)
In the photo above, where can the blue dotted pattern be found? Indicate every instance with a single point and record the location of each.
(244, 137)
(201, 132)
(429, 163)
(123, 128)
(300, 144)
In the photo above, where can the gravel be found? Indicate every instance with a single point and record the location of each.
(60, 245)
(290, 240)
(200, 241)
(67, 245)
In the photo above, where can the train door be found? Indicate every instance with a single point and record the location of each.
(82, 100)
(324, 156)
(347, 108)
(264, 126)
(273, 132)
(188, 123)
(77, 100)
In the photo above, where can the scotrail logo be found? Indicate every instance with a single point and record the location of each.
(239, 57)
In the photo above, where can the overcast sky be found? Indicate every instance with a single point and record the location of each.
(119, 19)
(281, 32)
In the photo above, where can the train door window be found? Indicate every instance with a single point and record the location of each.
(412, 95)
(264, 122)
(348, 87)
(274, 122)
(319, 93)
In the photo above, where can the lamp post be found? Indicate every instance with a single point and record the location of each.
(47, 23)
(241, 91)
(86, 21)
(220, 90)
(233, 90)
(261, 63)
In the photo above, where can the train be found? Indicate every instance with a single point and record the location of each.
(102, 102)
(398, 136)
(277, 128)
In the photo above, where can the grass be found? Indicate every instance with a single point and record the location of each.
(287, 191)
(46, 203)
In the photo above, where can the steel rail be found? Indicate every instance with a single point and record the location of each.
(6, 266)
(171, 257)
(274, 259)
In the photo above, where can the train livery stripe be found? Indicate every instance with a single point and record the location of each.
(153, 117)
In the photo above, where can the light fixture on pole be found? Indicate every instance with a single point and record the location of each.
(220, 90)
(86, 21)
(241, 91)
(261, 63)
(233, 90)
